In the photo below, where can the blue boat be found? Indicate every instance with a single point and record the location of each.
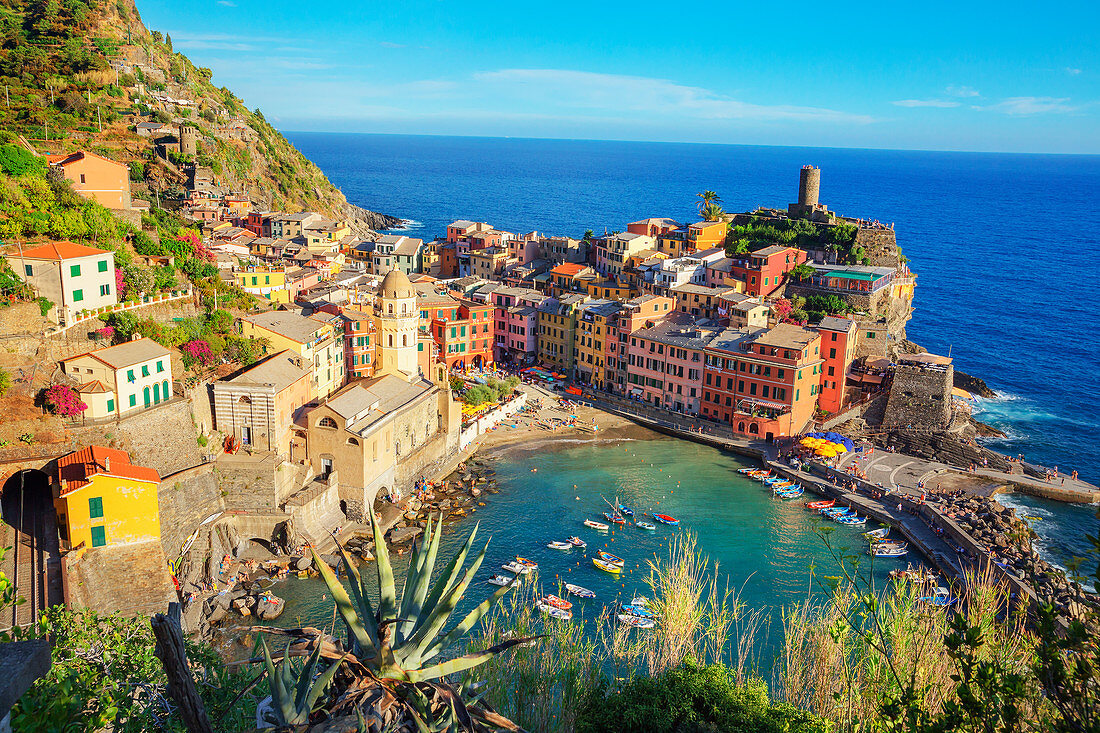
(788, 495)
(626, 511)
(665, 519)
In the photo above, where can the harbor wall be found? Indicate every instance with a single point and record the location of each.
(490, 419)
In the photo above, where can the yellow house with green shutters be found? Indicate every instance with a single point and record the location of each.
(314, 339)
(102, 499)
(265, 283)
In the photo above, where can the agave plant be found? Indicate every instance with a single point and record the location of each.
(396, 639)
(294, 696)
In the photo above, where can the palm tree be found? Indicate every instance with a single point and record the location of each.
(711, 211)
(706, 198)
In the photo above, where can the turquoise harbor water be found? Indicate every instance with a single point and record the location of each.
(764, 547)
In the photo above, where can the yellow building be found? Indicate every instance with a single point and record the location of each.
(591, 335)
(264, 283)
(103, 499)
(314, 339)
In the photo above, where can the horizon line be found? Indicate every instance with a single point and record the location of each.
(687, 142)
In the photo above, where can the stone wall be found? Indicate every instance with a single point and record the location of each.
(162, 437)
(881, 246)
(186, 499)
(920, 397)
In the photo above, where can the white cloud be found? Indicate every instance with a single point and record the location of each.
(390, 44)
(1032, 106)
(925, 103)
(1072, 71)
(962, 91)
(227, 3)
(626, 95)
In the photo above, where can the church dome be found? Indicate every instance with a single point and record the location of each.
(396, 285)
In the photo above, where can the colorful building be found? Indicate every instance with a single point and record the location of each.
(665, 362)
(613, 250)
(763, 383)
(706, 234)
(838, 348)
(72, 276)
(256, 405)
(653, 227)
(122, 379)
(102, 499)
(94, 177)
(765, 270)
(515, 324)
(557, 323)
(360, 343)
(461, 329)
(319, 343)
(593, 330)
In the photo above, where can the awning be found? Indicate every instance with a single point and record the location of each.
(851, 275)
(867, 378)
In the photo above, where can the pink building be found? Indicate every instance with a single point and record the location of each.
(524, 248)
(666, 362)
(515, 324)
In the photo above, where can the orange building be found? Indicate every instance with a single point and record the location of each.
(763, 383)
(707, 234)
(461, 329)
(838, 346)
(100, 179)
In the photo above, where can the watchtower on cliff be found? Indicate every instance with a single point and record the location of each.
(189, 140)
(920, 396)
(809, 190)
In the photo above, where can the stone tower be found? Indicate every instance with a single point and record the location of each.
(189, 140)
(809, 185)
(397, 321)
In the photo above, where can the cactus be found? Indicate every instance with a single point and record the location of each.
(293, 698)
(395, 640)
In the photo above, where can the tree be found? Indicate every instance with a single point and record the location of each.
(5, 382)
(15, 161)
(63, 400)
(706, 198)
(711, 211)
(802, 271)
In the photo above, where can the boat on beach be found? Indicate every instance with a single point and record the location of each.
(560, 545)
(666, 519)
(645, 525)
(792, 494)
(595, 525)
(579, 591)
(578, 542)
(606, 566)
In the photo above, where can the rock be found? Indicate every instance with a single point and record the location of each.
(404, 534)
(475, 492)
(331, 560)
(270, 608)
(240, 604)
(303, 563)
(216, 614)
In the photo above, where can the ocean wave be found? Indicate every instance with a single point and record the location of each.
(408, 224)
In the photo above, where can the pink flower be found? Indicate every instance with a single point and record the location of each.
(120, 283)
(64, 400)
(197, 352)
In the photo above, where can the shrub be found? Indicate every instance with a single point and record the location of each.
(15, 161)
(5, 382)
(137, 170)
(45, 305)
(63, 400)
(694, 697)
(195, 352)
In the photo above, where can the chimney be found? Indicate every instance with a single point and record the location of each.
(107, 464)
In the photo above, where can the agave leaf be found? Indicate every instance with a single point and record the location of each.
(469, 661)
(427, 632)
(285, 700)
(301, 690)
(443, 585)
(412, 599)
(319, 686)
(415, 562)
(467, 623)
(360, 596)
(455, 704)
(356, 628)
(387, 600)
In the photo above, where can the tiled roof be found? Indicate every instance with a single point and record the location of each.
(63, 250)
(93, 387)
(79, 467)
(127, 353)
(568, 268)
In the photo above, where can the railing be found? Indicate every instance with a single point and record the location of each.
(125, 306)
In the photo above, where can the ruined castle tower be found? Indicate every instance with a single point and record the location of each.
(809, 185)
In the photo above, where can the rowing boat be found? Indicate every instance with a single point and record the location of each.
(579, 591)
(616, 517)
(518, 569)
(606, 566)
(612, 559)
(501, 580)
(577, 542)
(821, 504)
(877, 534)
(560, 545)
(636, 621)
(665, 519)
(645, 525)
(558, 613)
(626, 511)
(595, 525)
(557, 602)
(529, 563)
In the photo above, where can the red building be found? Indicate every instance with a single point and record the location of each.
(652, 227)
(838, 346)
(764, 271)
(360, 344)
(763, 383)
(461, 329)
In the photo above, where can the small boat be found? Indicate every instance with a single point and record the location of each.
(852, 521)
(606, 566)
(776, 480)
(747, 471)
(558, 613)
(529, 563)
(609, 558)
(821, 504)
(636, 610)
(595, 525)
(560, 545)
(616, 518)
(577, 542)
(781, 485)
(941, 598)
(637, 622)
(626, 511)
(518, 569)
(837, 511)
(877, 534)
(763, 476)
(645, 525)
(887, 550)
(665, 519)
(557, 602)
(640, 601)
(913, 575)
(501, 580)
(579, 591)
(790, 495)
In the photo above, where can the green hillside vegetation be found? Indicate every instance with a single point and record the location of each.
(751, 233)
(62, 94)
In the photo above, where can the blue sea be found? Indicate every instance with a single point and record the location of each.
(1005, 247)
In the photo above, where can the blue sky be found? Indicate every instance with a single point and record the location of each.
(1006, 76)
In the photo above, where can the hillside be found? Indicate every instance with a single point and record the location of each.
(83, 73)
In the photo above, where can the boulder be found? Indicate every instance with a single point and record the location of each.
(303, 563)
(270, 608)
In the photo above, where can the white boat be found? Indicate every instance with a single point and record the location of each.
(640, 601)
(646, 526)
(579, 591)
(595, 525)
(501, 580)
(518, 568)
(560, 545)
(558, 613)
(877, 534)
(887, 550)
(638, 622)
(577, 542)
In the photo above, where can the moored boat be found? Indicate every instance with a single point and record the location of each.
(821, 504)
(637, 622)
(560, 545)
(517, 568)
(645, 525)
(615, 518)
(606, 566)
(609, 558)
(557, 602)
(852, 520)
(877, 534)
(558, 613)
(577, 542)
(633, 610)
(529, 563)
(626, 511)
(579, 591)
(595, 525)
(666, 519)
(501, 580)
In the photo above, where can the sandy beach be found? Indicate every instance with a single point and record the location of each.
(520, 434)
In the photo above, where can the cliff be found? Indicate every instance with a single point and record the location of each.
(85, 73)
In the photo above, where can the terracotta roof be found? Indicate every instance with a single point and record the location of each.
(126, 354)
(78, 468)
(568, 268)
(93, 387)
(63, 250)
(78, 155)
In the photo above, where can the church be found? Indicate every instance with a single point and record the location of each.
(375, 437)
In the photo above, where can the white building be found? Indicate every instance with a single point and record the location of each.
(74, 277)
